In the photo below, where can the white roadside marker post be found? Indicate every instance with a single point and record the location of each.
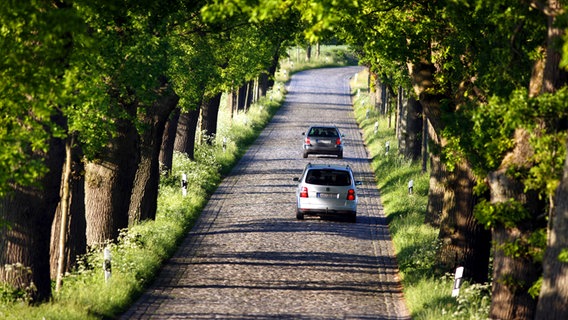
(107, 264)
(410, 186)
(457, 281)
(184, 184)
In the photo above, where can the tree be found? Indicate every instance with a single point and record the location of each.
(144, 197)
(35, 46)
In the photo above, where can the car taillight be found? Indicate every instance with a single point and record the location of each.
(304, 192)
(308, 140)
(338, 141)
(351, 194)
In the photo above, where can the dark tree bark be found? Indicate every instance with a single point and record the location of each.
(273, 66)
(464, 241)
(232, 102)
(242, 97)
(422, 75)
(209, 116)
(309, 52)
(28, 212)
(425, 138)
(413, 130)
(554, 292)
(76, 234)
(186, 131)
(250, 94)
(400, 124)
(168, 140)
(383, 98)
(262, 84)
(513, 275)
(109, 180)
(144, 198)
(435, 192)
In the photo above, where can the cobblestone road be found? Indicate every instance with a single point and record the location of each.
(249, 258)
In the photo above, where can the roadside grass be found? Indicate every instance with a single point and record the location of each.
(427, 294)
(142, 249)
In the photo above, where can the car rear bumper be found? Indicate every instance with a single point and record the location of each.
(316, 212)
(348, 207)
(323, 150)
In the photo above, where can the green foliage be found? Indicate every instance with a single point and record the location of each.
(508, 213)
(34, 42)
(563, 256)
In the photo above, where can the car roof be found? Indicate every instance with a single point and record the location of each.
(328, 166)
(324, 126)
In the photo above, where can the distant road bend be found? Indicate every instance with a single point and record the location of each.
(249, 258)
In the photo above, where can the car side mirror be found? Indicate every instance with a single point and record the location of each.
(296, 179)
(358, 183)
(303, 133)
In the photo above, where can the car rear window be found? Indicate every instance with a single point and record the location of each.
(327, 177)
(323, 132)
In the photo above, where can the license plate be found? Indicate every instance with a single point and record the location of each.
(324, 141)
(327, 195)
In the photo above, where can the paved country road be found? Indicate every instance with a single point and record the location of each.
(249, 258)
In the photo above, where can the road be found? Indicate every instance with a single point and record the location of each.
(249, 258)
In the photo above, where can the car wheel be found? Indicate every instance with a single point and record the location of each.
(299, 215)
(353, 217)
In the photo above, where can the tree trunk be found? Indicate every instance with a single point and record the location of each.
(186, 131)
(242, 97)
(383, 102)
(513, 275)
(273, 66)
(76, 232)
(144, 198)
(250, 94)
(554, 291)
(402, 101)
(27, 214)
(262, 84)
(108, 183)
(309, 52)
(209, 116)
(413, 130)
(424, 151)
(422, 77)
(168, 140)
(464, 241)
(435, 191)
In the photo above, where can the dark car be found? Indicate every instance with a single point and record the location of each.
(323, 140)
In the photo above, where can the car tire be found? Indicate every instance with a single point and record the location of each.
(353, 217)
(299, 215)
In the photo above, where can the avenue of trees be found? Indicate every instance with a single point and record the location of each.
(478, 89)
(95, 97)
(111, 87)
